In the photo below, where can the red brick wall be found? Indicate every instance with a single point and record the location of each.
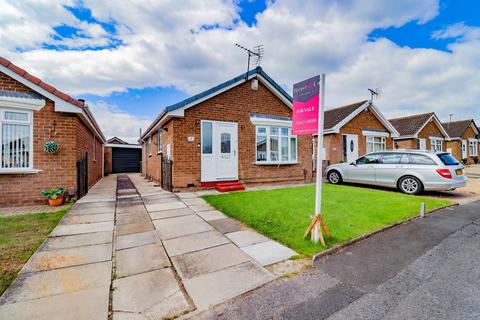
(430, 130)
(234, 106)
(108, 160)
(57, 170)
(333, 143)
(85, 144)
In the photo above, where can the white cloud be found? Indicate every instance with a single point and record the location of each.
(165, 44)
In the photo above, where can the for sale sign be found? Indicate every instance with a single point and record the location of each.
(305, 106)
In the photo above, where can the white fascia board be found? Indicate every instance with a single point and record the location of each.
(270, 122)
(414, 136)
(384, 120)
(60, 105)
(438, 124)
(474, 127)
(89, 124)
(472, 139)
(129, 146)
(375, 133)
(349, 118)
(22, 103)
(436, 138)
(273, 89)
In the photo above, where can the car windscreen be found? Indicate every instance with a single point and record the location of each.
(447, 159)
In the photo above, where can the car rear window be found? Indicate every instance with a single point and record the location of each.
(447, 159)
(421, 159)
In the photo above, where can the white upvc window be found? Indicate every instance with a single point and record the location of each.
(159, 141)
(275, 145)
(473, 148)
(16, 135)
(375, 144)
(436, 144)
(149, 145)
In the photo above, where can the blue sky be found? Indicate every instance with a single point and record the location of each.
(130, 59)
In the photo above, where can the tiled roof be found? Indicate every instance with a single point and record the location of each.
(337, 115)
(456, 129)
(116, 139)
(410, 125)
(7, 64)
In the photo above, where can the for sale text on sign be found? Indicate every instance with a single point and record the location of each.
(305, 106)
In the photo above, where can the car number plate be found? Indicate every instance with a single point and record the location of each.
(459, 172)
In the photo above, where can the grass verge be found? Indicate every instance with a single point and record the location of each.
(349, 212)
(20, 236)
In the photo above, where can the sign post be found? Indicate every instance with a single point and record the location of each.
(308, 110)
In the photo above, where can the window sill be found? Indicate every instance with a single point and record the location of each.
(264, 163)
(20, 171)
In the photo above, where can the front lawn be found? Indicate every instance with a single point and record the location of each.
(284, 214)
(20, 237)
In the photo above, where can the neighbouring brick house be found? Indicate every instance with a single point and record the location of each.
(353, 130)
(420, 131)
(463, 143)
(120, 156)
(237, 131)
(32, 113)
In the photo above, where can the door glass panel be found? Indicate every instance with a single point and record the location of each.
(206, 137)
(273, 148)
(284, 148)
(225, 146)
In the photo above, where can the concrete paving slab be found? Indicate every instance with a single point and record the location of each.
(158, 196)
(226, 225)
(136, 240)
(186, 195)
(95, 199)
(34, 285)
(110, 205)
(211, 215)
(201, 207)
(145, 291)
(140, 259)
(46, 260)
(132, 218)
(193, 264)
(88, 218)
(153, 201)
(137, 209)
(93, 210)
(213, 288)
(194, 242)
(194, 201)
(79, 240)
(128, 316)
(170, 213)
(165, 206)
(134, 228)
(180, 226)
(128, 196)
(246, 238)
(268, 252)
(126, 191)
(89, 304)
(71, 229)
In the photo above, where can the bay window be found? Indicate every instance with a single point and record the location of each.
(16, 136)
(275, 145)
(436, 144)
(375, 144)
(473, 148)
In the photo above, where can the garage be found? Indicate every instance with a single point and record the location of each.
(122, 157)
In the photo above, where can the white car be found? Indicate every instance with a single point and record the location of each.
(410, 171)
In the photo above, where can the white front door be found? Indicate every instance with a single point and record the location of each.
(350, 147)
(464, 149)
(219, 149)
(422, 144)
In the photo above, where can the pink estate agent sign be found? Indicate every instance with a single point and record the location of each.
(306, 100)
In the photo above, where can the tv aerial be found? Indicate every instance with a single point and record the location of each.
(257, 52)
(374, 93)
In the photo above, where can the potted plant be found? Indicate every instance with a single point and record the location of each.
(54, 195)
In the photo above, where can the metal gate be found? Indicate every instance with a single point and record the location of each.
(167, 166)
(82, 176)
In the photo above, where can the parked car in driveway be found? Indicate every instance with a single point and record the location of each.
(410, 171)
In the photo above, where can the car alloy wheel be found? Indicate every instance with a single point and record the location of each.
(409, 185)
(334, 177)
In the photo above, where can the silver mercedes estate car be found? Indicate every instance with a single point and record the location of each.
(410, 171)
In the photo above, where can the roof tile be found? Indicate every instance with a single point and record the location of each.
(332, 117)
(456, 129)
(16, 69)
(47, 87)
(31, 78)
(410, 125)
(4, 62)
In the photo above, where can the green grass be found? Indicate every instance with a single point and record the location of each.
(20, 236)
(284, 214)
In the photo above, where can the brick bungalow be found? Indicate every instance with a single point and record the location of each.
(32, 113)
(239, 130)
(463, 142)
(353, 130)
(420, 131)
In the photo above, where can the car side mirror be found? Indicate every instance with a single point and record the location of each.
(354, 163)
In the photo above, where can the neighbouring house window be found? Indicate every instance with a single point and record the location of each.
(473, 148)
(149, 145)
(159, 141)
(375, 144)
(436, 144)
(207, 138)
(275, 145)
(16, 137)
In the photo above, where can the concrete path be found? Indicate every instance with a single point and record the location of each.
(69, 276)
(424, 269)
